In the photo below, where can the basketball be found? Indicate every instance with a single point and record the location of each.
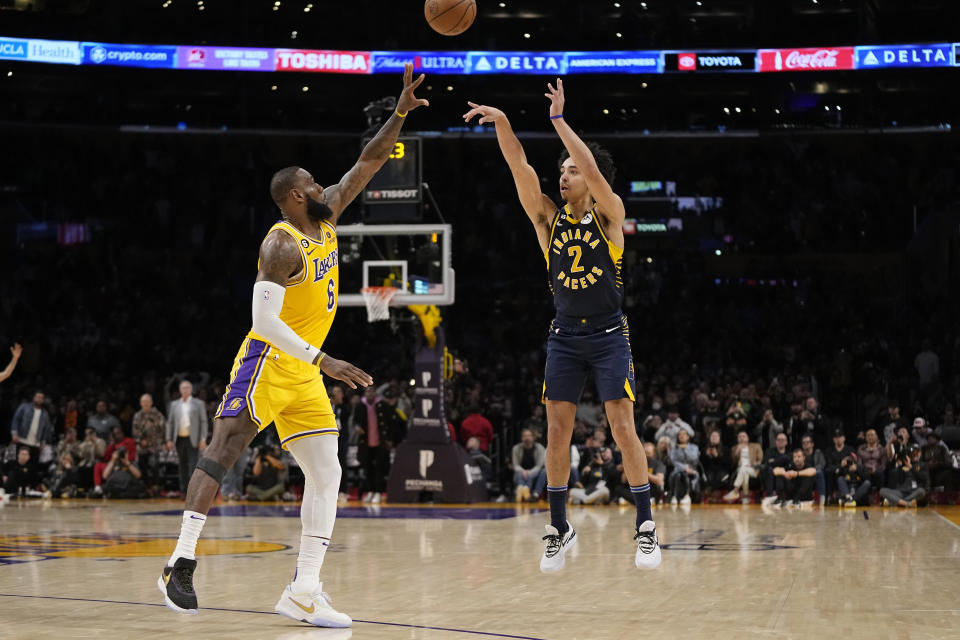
(450, 17)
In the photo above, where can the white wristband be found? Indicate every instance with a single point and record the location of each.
(267, 303)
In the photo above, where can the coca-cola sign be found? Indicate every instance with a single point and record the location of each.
(820, 59)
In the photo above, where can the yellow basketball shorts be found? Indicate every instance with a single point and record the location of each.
(275, 387)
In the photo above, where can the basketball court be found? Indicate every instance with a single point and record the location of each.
(84, 569)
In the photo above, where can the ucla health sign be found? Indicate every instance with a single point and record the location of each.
(13, 49)
(516, 62)
(129, 55)
(904, 55)
(54, 51)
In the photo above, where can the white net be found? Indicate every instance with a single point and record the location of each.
(377, 300)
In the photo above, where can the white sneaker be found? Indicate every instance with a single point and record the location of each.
(313, 608)
(342, 498)
(648, 547)
(375, 499)
(685, 501)
(769, 500)
(557, 547)
(599, 495)
(673, 501)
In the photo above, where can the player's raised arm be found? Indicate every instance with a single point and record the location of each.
(280, 259)
(538, 206)
(611, 206)
(376, 152)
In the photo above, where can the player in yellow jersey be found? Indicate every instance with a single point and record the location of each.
(276, 375)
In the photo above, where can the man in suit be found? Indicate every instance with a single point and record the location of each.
(187, 430)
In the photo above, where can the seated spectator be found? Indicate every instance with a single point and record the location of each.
(873, 458)
(852, 483)
(920, 431)
(734, 421)
(589, 410)
(837, 458)
(747, 456)
(938, 460)
(527, 459)
(63, 482)
(597, 470)
(479, 458)
(270, 473)
(794, 483)
(21, 477)
(664, 447)
(907, 480)
(777, 455)
(890, 420)
(656, 472)
(766, 431)
(476, 426)
(685, 476)
(121, 476)
(103, 422)
(650, 426)
(92, 450)
(117, 439)
(672, 426)
(715, 462)
(69, 445)
(815, 456)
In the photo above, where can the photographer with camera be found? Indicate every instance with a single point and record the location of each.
(117, 440)
(121, 476)
(270, 472)
(908, 478)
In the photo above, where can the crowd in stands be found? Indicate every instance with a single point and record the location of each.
(156, 291)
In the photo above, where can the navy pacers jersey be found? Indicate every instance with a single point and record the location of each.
(590, 332)
(584, 269)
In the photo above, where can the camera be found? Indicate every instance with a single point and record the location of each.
(122, 452)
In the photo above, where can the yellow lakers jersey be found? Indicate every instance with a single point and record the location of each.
(310, 300)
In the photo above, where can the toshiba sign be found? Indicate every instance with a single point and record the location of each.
(823, 59)
(323, 61)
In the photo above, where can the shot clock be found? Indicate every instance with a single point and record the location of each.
(395, 192)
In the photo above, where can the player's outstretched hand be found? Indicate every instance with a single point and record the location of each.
(487, 114)
(343, 370)
(16, 350)
(556, 98)
(408, 102)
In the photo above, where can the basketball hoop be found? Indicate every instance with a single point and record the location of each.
(377, 300)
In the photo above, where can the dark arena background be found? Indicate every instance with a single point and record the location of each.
(790, 266)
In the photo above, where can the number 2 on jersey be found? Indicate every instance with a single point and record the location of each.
(576, 252)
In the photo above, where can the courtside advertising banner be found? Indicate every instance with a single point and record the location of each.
(516, 62)
(13, 49)
(323, 61)
(54, 51)
(225, 58)
(129, 55)
(809, 59)
(904, 55)
(613, 62)
(432, 62)
(709, 61)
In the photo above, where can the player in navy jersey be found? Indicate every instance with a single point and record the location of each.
(582, 242)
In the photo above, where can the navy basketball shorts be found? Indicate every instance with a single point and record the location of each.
(572, 353)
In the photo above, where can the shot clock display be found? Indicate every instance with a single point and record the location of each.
(395, 192)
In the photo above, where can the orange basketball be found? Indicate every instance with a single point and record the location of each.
(450, 17)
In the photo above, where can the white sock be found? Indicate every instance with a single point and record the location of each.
(189, 533)
(309, 561)
(317, 458)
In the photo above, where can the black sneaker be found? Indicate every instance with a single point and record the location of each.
(176, 584)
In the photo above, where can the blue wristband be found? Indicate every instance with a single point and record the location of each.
(555, 117)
